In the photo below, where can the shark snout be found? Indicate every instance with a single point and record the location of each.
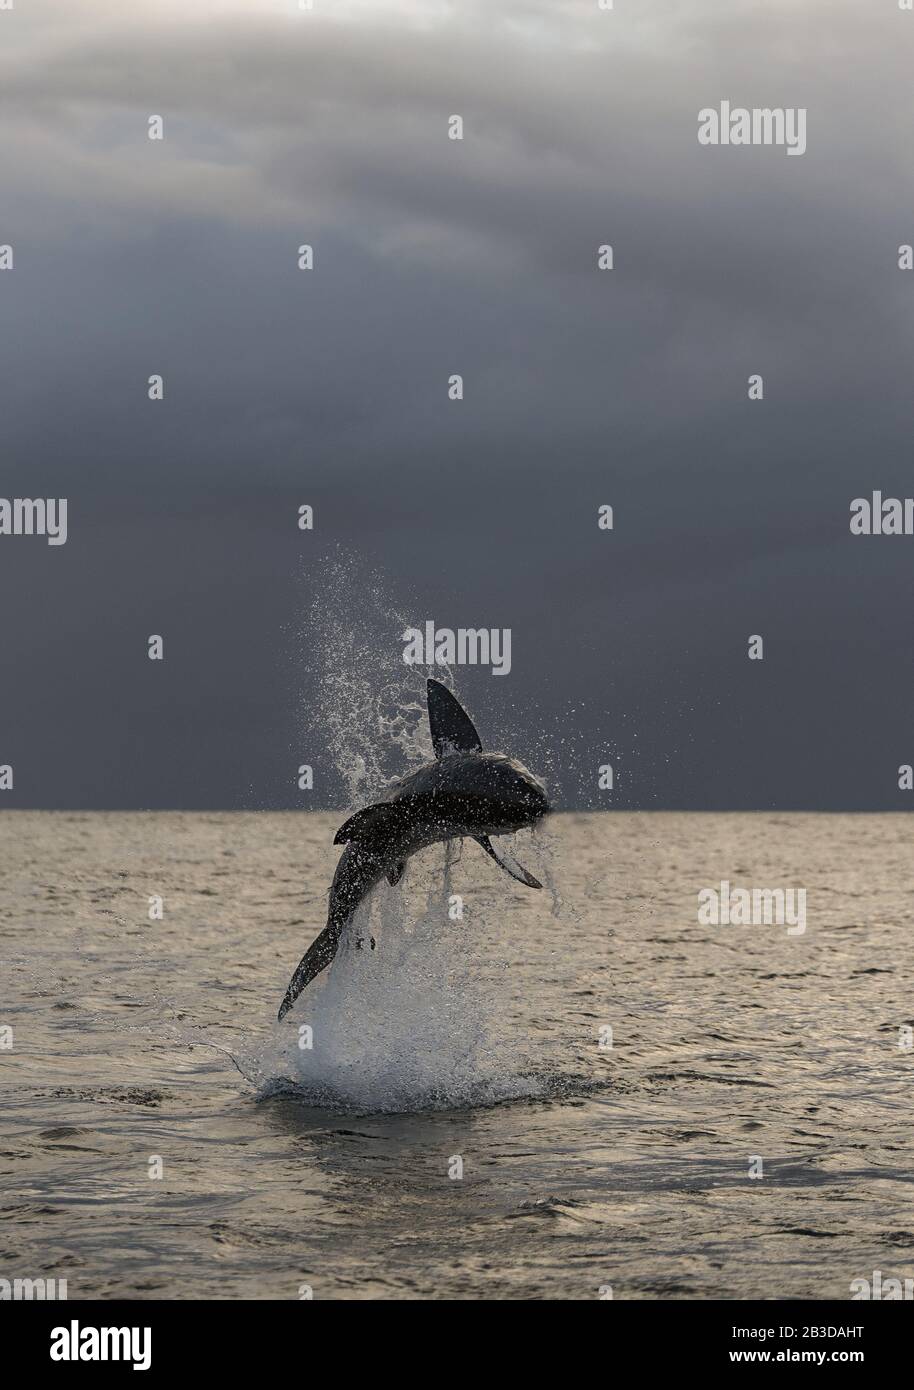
(532, 799)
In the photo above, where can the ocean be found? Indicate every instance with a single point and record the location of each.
(577, 1093)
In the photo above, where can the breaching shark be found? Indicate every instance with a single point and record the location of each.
(463, 793)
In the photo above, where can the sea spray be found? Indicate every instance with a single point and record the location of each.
(366, 707)
(411, 1013)
(409, 1024)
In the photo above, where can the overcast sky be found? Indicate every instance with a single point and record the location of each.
(329, 387)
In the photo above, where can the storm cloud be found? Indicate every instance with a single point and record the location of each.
(582, 387)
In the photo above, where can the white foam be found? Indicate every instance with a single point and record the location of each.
(413, 1023)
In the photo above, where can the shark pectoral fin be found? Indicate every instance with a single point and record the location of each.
(396, 873)
(519, 873)
(317, 957)
(378, 821)
(451, 727)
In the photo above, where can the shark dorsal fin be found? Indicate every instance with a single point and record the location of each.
(451, 727)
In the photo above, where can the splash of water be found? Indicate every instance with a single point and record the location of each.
(406, 1025)
(406, 1018)
(369, 708)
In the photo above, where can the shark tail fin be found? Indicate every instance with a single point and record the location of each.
(317, 957)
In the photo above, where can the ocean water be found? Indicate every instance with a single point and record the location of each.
(456, 1129)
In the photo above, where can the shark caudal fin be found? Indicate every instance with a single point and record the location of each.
(317, 957)
(451, 727)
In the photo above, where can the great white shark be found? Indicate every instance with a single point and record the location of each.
(464, 793)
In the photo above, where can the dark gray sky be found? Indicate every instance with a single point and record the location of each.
(330, 387)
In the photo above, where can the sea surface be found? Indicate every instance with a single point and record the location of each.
(458, 1126)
